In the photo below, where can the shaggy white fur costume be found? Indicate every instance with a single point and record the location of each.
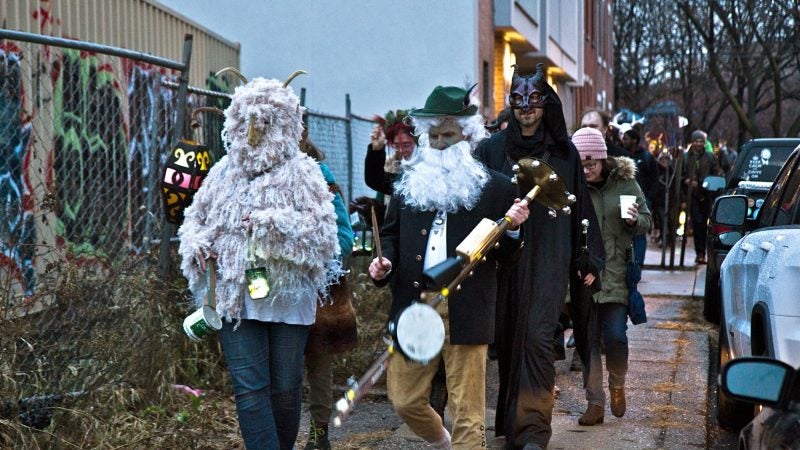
(285, 195)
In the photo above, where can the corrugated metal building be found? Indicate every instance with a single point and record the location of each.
(140, 25)
(84, 135)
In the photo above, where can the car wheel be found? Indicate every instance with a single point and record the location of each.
(731, 414)
(711, 298)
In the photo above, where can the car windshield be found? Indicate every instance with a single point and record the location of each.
(761, 163)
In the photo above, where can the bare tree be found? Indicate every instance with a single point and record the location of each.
(731, 65)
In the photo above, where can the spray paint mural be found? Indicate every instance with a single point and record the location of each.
(17, 233)
(103, 128)
(83, 137)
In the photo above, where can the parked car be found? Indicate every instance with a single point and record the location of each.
(760, 279)
(752, 175)
(775, 386)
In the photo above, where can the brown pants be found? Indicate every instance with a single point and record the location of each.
(409, 388)
(319, 373)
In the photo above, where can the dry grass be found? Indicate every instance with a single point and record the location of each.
(95, 367)
(113, 338)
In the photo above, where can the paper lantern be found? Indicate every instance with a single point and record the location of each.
(186, 167)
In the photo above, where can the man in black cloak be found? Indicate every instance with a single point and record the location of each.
(531, 297)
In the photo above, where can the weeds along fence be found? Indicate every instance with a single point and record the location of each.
(84, 132)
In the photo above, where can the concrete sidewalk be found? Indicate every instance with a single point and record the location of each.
(667, 374)
(665, 387)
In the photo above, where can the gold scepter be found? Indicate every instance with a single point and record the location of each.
(545, 186)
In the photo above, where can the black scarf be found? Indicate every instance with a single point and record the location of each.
(552, 131)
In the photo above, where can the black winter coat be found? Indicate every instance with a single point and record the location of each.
(374, 175)
(548, 263)
(404, 238)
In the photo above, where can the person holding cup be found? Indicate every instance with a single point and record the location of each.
(621, 208)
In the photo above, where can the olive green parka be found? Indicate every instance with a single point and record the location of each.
(617, 234)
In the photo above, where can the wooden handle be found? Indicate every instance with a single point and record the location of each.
(375, 236)
(211, 281)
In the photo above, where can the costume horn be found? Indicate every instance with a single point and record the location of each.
(292, 77)
(234, 71)
(204, 109)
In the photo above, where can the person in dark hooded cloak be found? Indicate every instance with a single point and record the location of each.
(531, 297)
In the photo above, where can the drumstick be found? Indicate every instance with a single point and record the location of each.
(375, 235)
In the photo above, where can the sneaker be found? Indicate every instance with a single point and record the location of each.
(617, 401)
(318, 437)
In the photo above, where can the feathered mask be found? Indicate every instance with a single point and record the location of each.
(263, 123)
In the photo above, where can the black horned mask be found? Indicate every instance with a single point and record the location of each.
(528, 91)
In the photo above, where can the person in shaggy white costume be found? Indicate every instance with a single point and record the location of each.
(263, 205)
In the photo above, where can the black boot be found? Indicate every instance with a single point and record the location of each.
(318, 437)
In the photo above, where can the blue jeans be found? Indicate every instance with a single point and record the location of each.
(613, 319)
(265, 361)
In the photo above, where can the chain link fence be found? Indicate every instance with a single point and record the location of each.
(84, 135)
(345, 157)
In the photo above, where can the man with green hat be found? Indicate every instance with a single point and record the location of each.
(442, 194)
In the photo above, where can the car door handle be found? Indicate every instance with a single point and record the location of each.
(766, 246)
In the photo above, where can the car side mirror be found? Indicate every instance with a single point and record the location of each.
(765, 381)
(730, 210)
(730, 238)
(713, 183)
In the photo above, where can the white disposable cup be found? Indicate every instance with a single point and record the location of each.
(625, 202)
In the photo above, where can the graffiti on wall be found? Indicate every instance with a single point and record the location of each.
(103, 133)
(89, 155)
(17, 232)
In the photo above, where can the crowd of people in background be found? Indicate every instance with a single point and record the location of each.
(438, 171)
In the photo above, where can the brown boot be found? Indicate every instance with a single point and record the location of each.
(617, 401)
(592, 416)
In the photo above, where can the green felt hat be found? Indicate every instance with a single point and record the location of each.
(447, 101)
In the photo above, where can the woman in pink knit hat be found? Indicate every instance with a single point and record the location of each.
(608, 179)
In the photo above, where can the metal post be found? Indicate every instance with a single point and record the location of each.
(665, 218)
(687, 217)
(349, 135)
(168, 230)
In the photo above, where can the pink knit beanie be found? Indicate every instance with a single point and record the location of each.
(590, 143)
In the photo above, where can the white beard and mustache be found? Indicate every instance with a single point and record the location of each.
(446, 180)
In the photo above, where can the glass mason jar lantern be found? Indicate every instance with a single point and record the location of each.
(362, 236)
(186, 167)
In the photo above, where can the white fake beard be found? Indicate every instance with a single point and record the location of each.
(446, 180)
